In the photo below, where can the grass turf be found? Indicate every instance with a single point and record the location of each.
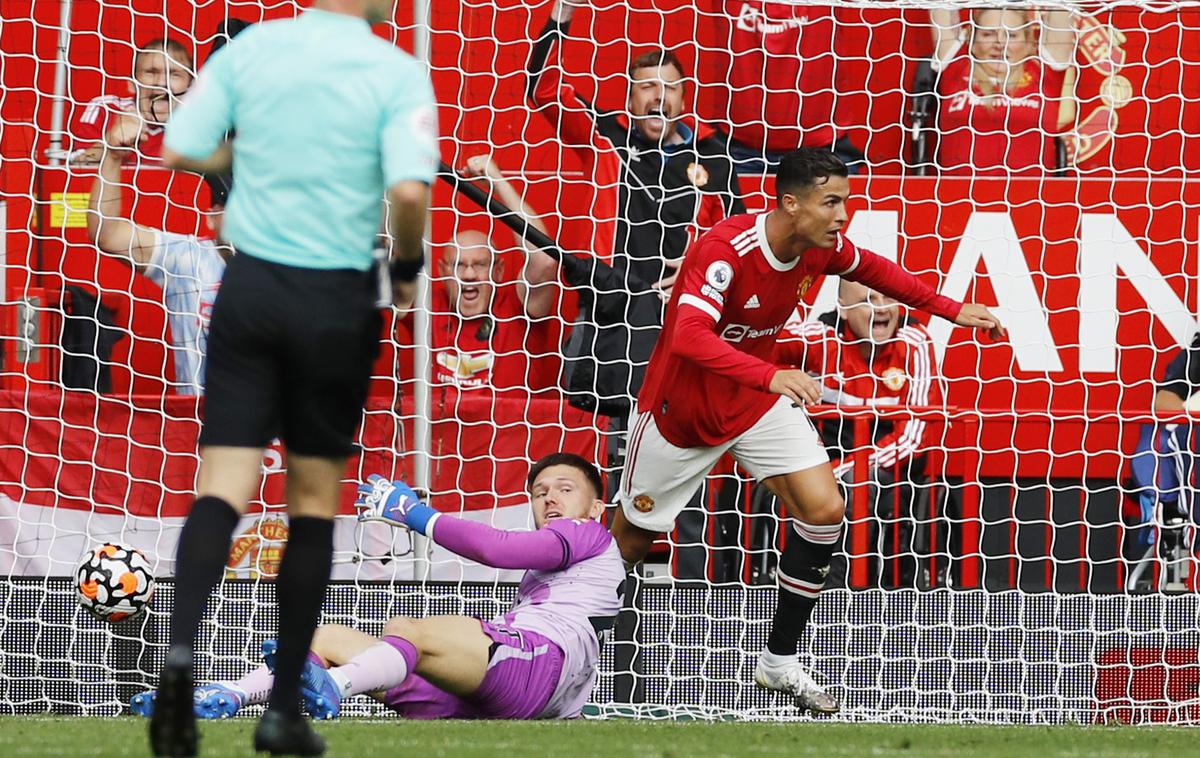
(56, 736)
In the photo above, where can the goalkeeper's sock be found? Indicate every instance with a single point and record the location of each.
(800, 575)
(300, 589)
(256, 684)
(199, 562)
(380, 667)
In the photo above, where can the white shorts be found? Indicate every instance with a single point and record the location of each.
(660, 478)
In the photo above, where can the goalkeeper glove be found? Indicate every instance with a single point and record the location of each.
(393, 502)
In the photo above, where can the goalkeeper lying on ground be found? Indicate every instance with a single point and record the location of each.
(537, 661)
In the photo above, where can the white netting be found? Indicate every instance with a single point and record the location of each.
(1009, 576)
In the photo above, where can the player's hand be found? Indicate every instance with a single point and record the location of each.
(797, 385)
(125, 133)
(665, 284)
(976, 316)
(482, 167)
(381, 500)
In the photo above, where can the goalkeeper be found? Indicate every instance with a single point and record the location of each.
(536, 661)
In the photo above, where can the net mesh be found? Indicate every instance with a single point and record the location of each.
(1002, 569)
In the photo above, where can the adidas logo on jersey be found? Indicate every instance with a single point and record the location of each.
(752, 302)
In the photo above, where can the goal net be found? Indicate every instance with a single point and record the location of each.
(1020, 539)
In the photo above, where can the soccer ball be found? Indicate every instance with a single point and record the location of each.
(114, 582)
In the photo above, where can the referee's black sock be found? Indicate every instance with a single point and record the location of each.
(199, 562)
(800, 576)
(300, 590)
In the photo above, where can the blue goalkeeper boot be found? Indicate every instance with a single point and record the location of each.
(269, 650)
(142, 704)
(217, 701)
(322, 697)
(213, 701)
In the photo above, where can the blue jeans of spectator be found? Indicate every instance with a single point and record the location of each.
(753, 160)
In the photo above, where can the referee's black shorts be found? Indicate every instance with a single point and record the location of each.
(290, 352)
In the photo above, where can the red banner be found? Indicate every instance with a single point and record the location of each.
(113, 455)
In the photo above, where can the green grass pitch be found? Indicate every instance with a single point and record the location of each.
(125, 736)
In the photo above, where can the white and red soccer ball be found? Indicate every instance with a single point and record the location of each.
(114, 582)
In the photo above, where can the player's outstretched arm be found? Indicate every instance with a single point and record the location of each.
(396, 503)
(977, 316)
(891, 279)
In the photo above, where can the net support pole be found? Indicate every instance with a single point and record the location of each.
(422, 437)
(60, 83)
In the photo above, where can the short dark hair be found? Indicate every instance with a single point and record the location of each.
(590, 472)
(167, 45)
(226, 31)
(655, 58)
(805, 168)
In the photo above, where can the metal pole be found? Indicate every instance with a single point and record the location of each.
(60, 84)
(422, 401)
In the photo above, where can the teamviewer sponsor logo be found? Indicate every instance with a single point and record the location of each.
(739, 332)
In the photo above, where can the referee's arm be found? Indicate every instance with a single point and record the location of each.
(409, 147)
(195, 138)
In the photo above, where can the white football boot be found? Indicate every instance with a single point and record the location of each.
(795, 680)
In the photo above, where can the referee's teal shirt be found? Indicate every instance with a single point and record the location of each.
(327, 116)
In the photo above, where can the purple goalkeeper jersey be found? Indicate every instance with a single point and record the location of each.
(570, 594)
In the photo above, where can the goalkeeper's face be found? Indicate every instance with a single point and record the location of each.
(563, 492)
(656, 101)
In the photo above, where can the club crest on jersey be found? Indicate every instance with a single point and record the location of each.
(802, 290)
(697, 174)
(719, 275)
(894, 378)
(643, 503)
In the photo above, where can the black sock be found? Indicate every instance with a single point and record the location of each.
(300, 590)
(199, 562)
(800, 576)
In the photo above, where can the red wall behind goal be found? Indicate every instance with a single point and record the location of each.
(478, 60)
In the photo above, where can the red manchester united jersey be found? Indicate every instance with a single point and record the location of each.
(1001, 133)
(709, 377)
(98, 116)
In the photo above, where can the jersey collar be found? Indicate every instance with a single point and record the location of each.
(760, 230)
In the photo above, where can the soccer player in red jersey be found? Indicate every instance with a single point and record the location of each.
(713, 387)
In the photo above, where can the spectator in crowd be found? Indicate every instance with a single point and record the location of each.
(162, 73)
(660, 178)
(488, 332)
(1001, 98)
(780, 59)
(867, 353)
(188, 268)
(1163, 472)
(1180, 381)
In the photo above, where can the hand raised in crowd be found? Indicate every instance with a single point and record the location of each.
(977, 316)
(482, 167)
(564, 9)
(797, 385)
(665, 284)
(125, 133)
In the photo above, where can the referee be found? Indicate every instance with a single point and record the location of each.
(328, 118)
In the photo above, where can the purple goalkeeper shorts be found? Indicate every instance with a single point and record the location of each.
(523, 672)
